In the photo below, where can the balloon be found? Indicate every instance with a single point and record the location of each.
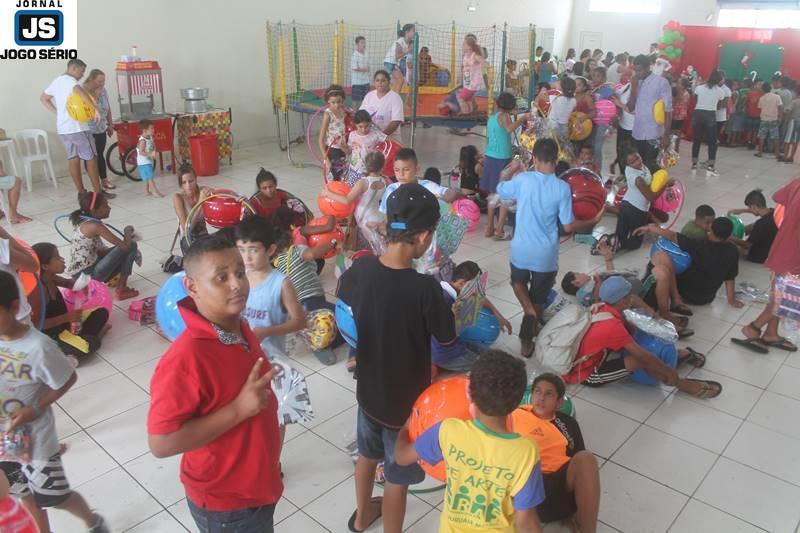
(28, 279)
(588, 192)
(96, 295)
(332, 207)
(485, 330)
(468, 210)
(224, 211)
(327, 237)
(579, 126)
(662, 45)
(681, 260)
(346, 323)
(677, 43)
(606, 111)
(678, 53)
(669, 50)
(320, 329)
(738, 226)
(671, 200)
(777, 214)
(389, 150)
(78, 109)
(659, 112)
(659, 181)
(167, 315)
(447, 398)
(664, 350)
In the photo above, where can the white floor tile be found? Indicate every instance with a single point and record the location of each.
(778, 413)
(163, 522)
(134, 349)
(666, 459)
(742, 364)
(339, 430)
(328, 398)
(785, 382)
(737, 398)
(93, 368)
(84, 459)
(626, 398)
(768, 451)
(603, 431)
(160, 477)
(180, 511)
(141, 374)
(631, 502)
(752, 496)
(312, 467)
(300, 521)
(123, 436)
(102, 399)
(427, 524)
(65, 426)
(698, 517)
(699, 425)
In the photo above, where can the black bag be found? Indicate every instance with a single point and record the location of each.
(172, 263)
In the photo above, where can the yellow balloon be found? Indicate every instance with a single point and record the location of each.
(659, 113)
(659, 181)
(579, 126)
(78, 109)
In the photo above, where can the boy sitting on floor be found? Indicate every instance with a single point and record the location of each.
(714, 261)
(760, 233)
(698, 228)
(570, 473)
(503, 494)
(460, 357)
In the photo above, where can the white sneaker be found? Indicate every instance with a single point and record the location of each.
(711, 172)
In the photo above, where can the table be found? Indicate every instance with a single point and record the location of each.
(216, 121)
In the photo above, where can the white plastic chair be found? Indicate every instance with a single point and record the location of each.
(9, 165)
(33, 146)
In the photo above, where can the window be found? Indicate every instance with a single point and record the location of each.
(759, 18)
(625, 6)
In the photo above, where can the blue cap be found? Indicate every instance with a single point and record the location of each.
(614, 289)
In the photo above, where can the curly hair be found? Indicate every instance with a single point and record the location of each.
(497, 382)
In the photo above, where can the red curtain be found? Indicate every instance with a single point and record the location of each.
(701, 49)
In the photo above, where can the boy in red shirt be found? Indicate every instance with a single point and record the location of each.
(753, 114)
(211, 399)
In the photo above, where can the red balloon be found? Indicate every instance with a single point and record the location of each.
(677, 43)
(588, 192)
(332, 207)
(224, 212)
(447, 398)
(324, 238)
(388, 149)
(618, 197)
(662, 46)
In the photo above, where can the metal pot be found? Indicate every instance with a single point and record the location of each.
(195, 106)
(194, 93)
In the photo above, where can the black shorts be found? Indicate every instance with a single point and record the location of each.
(677, 125)
(559, 502)
(360, 91)
(538, 283)
(45, 479)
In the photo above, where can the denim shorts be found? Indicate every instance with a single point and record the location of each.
(377, 443)
(252, 520)
(538, 283)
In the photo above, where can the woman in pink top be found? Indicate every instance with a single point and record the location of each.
(462, 101)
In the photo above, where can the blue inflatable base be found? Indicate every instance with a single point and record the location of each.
(666, 351)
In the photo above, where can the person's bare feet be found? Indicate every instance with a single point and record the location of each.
(751, 332)
(526, 348)
(148, 193)
(123, 293)
(19, 219)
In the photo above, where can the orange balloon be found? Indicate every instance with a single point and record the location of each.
(332, 207)
(447, 398)
(28, 279)
(777, 215)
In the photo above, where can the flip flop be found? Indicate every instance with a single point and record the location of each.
(754, 345)
(707, 392)
(351, 524)
(682, 310)
(781, 343)
(685, 332)
(695, 358)
(596, 245)
(504, 237)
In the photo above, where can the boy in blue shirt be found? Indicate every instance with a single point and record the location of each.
(460, 356)
(543, 201)
(500, 493)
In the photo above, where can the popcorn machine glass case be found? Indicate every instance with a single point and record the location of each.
(140, 89)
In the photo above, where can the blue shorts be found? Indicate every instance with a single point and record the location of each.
(491, 173)
(146, 172)
(377, 443)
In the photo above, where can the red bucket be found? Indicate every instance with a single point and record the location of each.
(205, 154)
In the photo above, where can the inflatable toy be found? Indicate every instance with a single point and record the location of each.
(666, 351)
(579, 126)
(669, 205)
(29, 280)
(680, 259)
(738, 226)
(224, 208)
(332, 207)
(78, 109)
(659, 112)
(468, 210)
(447, 398)
(389, 150)
(777, 214)
(606, 111)
(320, 329)
(659, 181)
(167, 315)
(588, 193)
(325, 238)
(96, 294)
(485, 330)
(346, 323)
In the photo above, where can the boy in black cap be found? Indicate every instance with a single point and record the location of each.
(396, 311)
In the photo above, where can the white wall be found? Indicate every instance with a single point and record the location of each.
(633, 32)
(221, 45)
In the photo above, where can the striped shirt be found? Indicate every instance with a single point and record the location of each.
(302, 273)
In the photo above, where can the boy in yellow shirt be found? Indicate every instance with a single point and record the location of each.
(494, 479)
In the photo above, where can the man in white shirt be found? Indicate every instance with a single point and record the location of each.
(722, 107)
(78, 140)
(359, 72)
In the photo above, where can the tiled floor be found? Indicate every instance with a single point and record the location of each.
(669, 462)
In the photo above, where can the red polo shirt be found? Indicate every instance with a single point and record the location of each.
(197, 376)
(784, 256)
(601, 337)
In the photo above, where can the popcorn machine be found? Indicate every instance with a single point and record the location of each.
(141, 93)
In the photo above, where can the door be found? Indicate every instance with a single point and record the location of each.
(545, 38)
(591, 40)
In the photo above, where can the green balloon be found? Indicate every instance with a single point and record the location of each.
(669, 50)
(678, 52)
(682, 38)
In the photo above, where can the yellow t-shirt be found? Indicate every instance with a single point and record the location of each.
(489, 475)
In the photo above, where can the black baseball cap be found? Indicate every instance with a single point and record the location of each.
(411, 207)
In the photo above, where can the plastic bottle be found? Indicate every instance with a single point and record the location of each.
(76, 325)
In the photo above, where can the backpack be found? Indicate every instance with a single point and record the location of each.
(559, 339)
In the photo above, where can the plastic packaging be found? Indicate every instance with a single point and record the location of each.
(749, 293)
(15, 446)
(657, 327)
(291, 390)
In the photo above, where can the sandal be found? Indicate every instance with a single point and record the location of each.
(489, 233)
(611, 240)
(351, 524)
(695, 358)
(682, 309)
(107, 185)
(754, 345)
(707, 391)
(505, 236)
(685, 332)
(126, 293)
(680, 322)
(780, 343)
(350, 365)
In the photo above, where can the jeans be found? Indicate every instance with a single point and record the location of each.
(252, 520)
(623, 137)
(704, 125)
(628, 219)
(648, 150)
(117, 261)
(598, 137)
